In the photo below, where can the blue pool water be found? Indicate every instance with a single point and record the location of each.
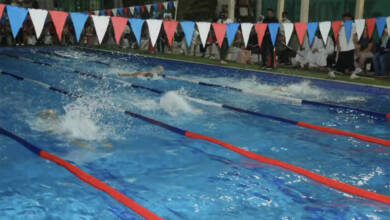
(171, 175)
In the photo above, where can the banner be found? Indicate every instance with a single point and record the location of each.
(38, 18)
(16, 17)
(204, 29)
(380, 25)
(288, 30)
(336, 25)
(220, 32)
(101, 24)
(260, 29)
(2, 6)
(59, 19)
(78, 20)
(246, 29)
(301, 29)
(273, 30)
(232, 32)
(348, 29)
(360, 24)
(170, 29)
(136, 25)
(370, 26)
(188, 29)
(325, 29)
(119, 25)
(154, 26)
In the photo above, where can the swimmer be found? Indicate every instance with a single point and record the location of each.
(50, 117)
(144, 74)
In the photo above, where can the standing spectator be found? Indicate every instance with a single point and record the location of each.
(268, 55)
(363, 51)
(346, 49)
(382, 56)
(285, 18)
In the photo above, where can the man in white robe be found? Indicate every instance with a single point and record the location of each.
(316, 55)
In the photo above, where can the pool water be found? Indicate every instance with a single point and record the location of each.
(171, 175)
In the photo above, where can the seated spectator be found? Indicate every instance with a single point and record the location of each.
(245, 56)
(363, 51)
(382, 56)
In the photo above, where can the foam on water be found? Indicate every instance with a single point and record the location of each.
(174, 104)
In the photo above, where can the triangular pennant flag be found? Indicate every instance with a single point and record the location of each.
(96, 12)
(220, 32)
(132, 9)
(204, 29)
(79, 20)
(166, 5)
(175, 4)
(171, 5)
(231, 32)
(138, 9)
(126, 12)
(154, 26)
(109, 12)
(370, 26)
(311, 31)
(148, 7)
(90, 13)
(301, 29)
(246, 29)
(16, 17)
(348, 29)
(360, 25)
(160, 5)
(288, 30)
(121, 12)
(388, 25)
(136, 26)
(155, 6)
(143, 8)
(336, 25)
(170, 29)
(102, 12)
(2, 6)
(59, 19)
(114, 12)
(273, 30)
(119, 24)
(38, 18)
(260, 29)
(101, 24)
(325, 29)
(188, 29)
(380, 25)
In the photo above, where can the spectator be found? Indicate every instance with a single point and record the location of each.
(363, 51)
(268, 55)
(346, 49)
(285, 18)
(245, 56)
(382, 56)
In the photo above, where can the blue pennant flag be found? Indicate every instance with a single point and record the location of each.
(155, 6)
(138, 9)
(171, 5)
(188, 29)
(273, 30)
(311, 31)
(120, 11)
(348, 29)
(79, 20)
(231, 32)
(136, 25)
(103, 12)
(16, 17)
(380, 25)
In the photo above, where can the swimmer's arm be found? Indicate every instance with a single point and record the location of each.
(161, 71)
(82, 145)
(106, 144)
(132, 74)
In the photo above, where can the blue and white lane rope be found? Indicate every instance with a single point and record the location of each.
(335, 184)
(258, 114)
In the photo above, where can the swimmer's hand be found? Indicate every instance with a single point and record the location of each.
(83, 145)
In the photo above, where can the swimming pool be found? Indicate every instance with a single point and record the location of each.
(171, 175)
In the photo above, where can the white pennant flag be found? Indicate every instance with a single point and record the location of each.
(96, 12)
(154, 26)
(166, 5)
(38, 18)
(324, 29)
(388, 25)
(148, 7)
(288, 30)
(360, 25)
(132, 10)
(175, 4)
(204, 29)
(114, 11)
(246, 29)
(101, 24)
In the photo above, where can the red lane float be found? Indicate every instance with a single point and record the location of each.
(353, 190)
(101, 186)
(388, 115)
(345, 133)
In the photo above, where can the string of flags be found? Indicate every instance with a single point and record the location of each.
(18, 15)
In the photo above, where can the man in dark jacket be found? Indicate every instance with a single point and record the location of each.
(267, 47)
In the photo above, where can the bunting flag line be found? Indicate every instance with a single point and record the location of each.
(109, 12)
(138, 9)
(114, 12)
(59, 19)
(78, 20)
(388, 25)
(101, 25)
(148, 7)
(96, 12)
(273, 30)
(170, 29)
(136, 25)
(311, 31)
(232, 32)
(121, 12)
(204, 30)
(301, 29)
(38, 18)
(155, 6)
(102, 12)
(188, 29)
(360, 25)
(288, 30)
(336, 25)
(154, 26)
(370, 26)
(325, 29)
(380, 25)
(2, 6)
(166, 5)
(348, 29)
(246, 29)
(220, 32)
(132, 10)
(16, 17)
(260, 29)
(119, 25)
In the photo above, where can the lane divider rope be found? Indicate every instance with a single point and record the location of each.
(237, 109)
(335, 184)
(84, 176)
(66, 57)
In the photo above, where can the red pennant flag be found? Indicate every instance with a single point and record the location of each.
(220, 32)
(160, 6)
(126, 12)
(301, 29)
(260, 29)
(336, 25)
(143, 8)
(370, 26)
(109, 12)
(119, 24)
(59, 19)
(90, 13)
(1, 9)
(170, 29)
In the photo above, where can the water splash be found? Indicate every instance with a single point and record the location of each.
(174, 104)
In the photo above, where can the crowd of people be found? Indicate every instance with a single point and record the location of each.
(341, 55)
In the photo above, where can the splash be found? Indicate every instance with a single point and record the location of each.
(174, 104)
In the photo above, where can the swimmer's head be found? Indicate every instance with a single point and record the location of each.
(48, 114)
